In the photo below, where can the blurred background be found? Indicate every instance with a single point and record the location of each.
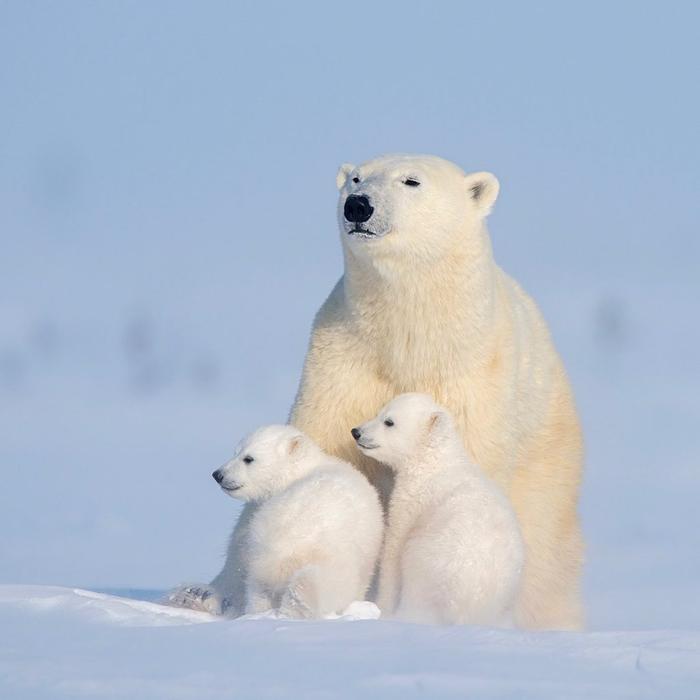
(167, 232)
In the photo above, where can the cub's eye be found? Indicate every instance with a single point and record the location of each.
(356, 180)
(388, 422)
(248, 459)
(411, 182)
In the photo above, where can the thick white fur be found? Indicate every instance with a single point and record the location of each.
(312, 542)
(453, 552)
(423, 307)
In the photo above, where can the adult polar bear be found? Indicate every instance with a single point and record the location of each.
(423, 307)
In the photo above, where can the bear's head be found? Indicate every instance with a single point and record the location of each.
(266, 462)
(411, 206)
(404, 429)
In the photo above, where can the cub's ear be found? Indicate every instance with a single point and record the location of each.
(295, 445)
(483, 190)
(343, 171)
(436, 419)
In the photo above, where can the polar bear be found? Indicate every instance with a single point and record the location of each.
(423, 307)
(453, 552)
(313, 541)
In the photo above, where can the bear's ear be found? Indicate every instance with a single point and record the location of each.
(343, 171)
(482, 188)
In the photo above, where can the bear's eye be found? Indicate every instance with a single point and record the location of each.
(388, 422)
(411, 182)
(356, 180)
(248, 459)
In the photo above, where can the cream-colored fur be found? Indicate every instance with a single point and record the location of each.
(423, 307)
(453, 552)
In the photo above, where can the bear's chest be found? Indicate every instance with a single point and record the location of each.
(482, 403)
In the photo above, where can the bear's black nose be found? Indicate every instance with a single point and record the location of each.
(218, 476)
(356, 432)
(357, 208)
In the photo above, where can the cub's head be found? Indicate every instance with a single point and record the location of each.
(403, 429)
(415, 206)
(265, 463)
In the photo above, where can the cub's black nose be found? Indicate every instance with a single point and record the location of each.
(218, 476)
(357, 208)
(356, 432)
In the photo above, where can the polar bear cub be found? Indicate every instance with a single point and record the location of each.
(453, 551)
(314, 539)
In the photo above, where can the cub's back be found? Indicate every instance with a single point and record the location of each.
(473, 511)
(462, 491)
(331, 508)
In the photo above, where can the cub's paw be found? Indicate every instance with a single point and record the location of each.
(299, 600)
(294, 608)
(197, 596)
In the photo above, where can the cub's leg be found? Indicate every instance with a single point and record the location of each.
(301, 598)
(258, 598)
(419, 593)
(226, 593)
(320, 589)
(197, 596)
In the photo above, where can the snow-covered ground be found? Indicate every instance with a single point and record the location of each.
(69, 643)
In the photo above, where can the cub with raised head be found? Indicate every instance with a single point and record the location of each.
(453, 552)
(313, 540)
